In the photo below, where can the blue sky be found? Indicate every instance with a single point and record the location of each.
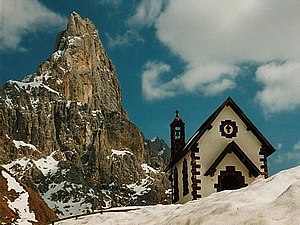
(185, 55)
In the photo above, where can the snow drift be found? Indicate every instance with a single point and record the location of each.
(272, 201)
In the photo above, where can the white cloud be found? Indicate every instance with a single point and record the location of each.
(281, 86)
(19, 17)
(127, 38)
(146, 13)
(214, 36)
(216, 78)
(291, 156)
(152, 86)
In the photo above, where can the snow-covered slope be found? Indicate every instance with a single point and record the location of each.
(19, 204)
(274, 201)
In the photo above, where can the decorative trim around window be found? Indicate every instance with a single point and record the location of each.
(228, 129)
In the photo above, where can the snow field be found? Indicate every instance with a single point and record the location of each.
(272, 201)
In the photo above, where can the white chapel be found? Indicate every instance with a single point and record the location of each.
(227, 152)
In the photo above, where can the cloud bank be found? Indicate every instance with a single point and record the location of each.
(214, 37)
(19, 17)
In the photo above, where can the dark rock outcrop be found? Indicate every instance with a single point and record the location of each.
(159, 146)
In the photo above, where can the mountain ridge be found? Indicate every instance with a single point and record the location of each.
(62, 126)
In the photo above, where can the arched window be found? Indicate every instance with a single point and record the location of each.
(176, 189)
(185, 181)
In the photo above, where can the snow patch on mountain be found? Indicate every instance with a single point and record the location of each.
(122, 152)
(9, 102)
(46, 165)
(20, 144)
(153, 139)
(56, 55)
(148, 168)
(141, 188)
(162, 151)
(69, 102)
(37, 82)
(70, 205)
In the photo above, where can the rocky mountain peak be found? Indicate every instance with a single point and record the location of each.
(63, 129)
(79, 68)
(79, 27)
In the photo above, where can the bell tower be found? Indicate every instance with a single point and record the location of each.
(177, 135)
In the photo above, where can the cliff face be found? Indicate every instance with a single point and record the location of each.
(64, 130)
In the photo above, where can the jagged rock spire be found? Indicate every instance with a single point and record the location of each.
(80, 69)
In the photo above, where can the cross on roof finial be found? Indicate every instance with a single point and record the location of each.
(177, 112)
